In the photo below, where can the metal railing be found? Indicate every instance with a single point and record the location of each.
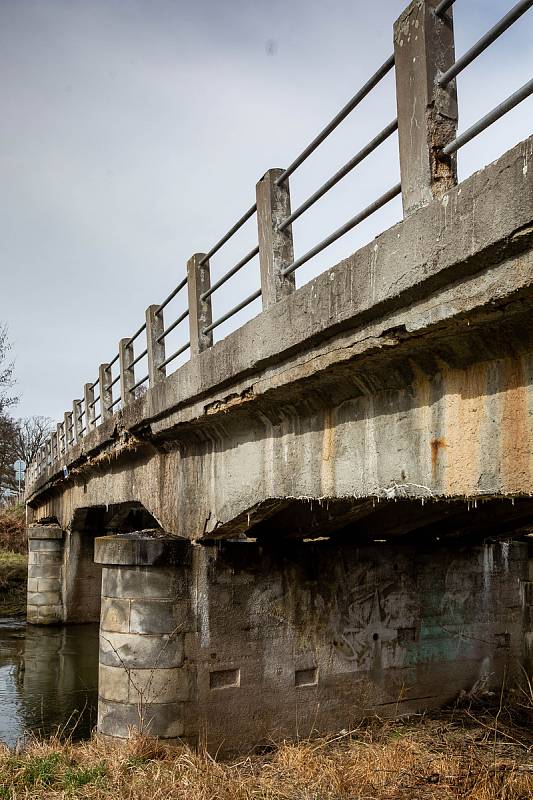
(273, 215)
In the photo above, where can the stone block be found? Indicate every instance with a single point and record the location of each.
(152, 686)
(44, 532)
(115, 615)
(45, 545)
(159, 616)
(44, 598)
(48, 584)
(145, 652)
(143, 583)
(141, 550)
(122, 719)
(44, 570)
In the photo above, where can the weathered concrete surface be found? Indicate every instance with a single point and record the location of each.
(406, 370)
(239, 643)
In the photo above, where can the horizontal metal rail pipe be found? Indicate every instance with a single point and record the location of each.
(351, 164)
(486, 40)
(367, 212)
(115, 380)
(233, 311)
(97, 381)
(137, 333)
(83, 429)
(114, 403)
(240, 222)
(138, 358)
(174, 325)
(97, 417)
(114, 361)
(338, 118)
(444, 6)
(227, 275)
(178, 352)
(94, 402)
(489, 118)
(172, 295)
(139, 383)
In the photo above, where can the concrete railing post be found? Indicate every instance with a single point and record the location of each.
(275, 247)
(53, 447)
(106, 393)
(155, 327)
(68, 428)
(60, 440)
(76, 416)
(45, 559)
(127, 374)
(198, 282)
(88, 400)
(144, 683)
(427, 113)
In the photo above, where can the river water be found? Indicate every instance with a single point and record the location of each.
(48, 680)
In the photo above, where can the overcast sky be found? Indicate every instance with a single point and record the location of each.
(132, 135)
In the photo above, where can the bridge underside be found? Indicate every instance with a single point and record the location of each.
(386, 409)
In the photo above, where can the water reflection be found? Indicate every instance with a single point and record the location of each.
(48, 679)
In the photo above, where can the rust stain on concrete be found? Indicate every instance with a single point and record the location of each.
(436, 445)
(327, 474)
(465, 413)
(516, 442)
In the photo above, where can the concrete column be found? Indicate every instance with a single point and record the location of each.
(106, 393)
(88, 395)
(427, 113)
(45, 558)
(275, 246)
(198, 282)
(144, 684)
(127, 375)
(155, 327)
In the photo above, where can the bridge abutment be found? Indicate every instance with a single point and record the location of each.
(240, 642)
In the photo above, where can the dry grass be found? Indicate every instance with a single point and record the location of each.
(459, 754)
(13, 529)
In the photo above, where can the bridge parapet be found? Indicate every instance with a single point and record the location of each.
(426, 122)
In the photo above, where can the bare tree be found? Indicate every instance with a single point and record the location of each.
(30, 434)
(6, 372)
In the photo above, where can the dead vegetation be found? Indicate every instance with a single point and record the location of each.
(13, 529)
(467, 754)
(13, 561)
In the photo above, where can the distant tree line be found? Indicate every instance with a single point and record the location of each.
(19, 438)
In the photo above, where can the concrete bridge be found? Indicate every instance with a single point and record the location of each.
(325, 514)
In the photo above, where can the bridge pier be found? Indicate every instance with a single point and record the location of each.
(240, 643)
(63, 580)
(144, 684)
(45, 561)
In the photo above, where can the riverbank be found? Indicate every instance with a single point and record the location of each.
(13, 562)
(13, 579)
(459, 754)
